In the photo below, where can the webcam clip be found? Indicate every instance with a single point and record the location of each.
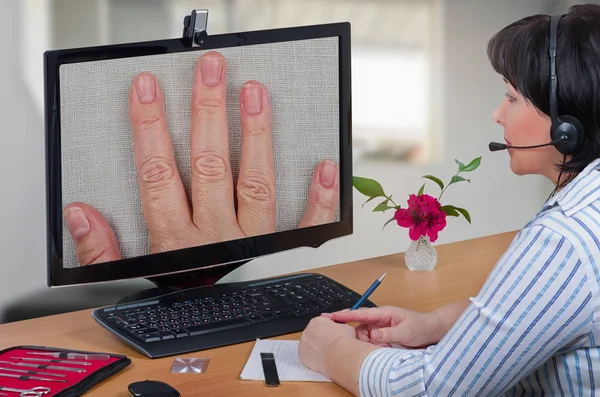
(194, 28)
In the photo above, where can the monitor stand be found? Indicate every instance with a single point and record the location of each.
(184, 280)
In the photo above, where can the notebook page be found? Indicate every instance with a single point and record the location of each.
(289, 367)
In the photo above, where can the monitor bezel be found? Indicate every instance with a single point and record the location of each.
(217, 254)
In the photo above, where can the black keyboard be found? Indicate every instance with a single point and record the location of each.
(224, 314)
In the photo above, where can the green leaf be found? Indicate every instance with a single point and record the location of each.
(370, 198)
(450, 210)
(464, 213)
(457, 178)
(461, 166)
(368, 187)
(391, 220)
(382, 207)
(421, 190)
(473, 165)
(436, 180)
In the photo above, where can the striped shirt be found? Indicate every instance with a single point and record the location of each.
(533, 329)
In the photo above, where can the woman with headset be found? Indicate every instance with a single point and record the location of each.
(535, 325)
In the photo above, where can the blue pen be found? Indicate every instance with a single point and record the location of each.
(368, 293)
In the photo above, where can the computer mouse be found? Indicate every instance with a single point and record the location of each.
(152, 388)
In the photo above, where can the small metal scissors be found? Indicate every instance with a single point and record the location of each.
(35, 392)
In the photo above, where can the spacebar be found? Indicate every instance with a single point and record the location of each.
(220, 326)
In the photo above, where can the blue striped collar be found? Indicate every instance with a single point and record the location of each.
(580, 192)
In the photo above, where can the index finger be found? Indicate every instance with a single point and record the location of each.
(373, 316)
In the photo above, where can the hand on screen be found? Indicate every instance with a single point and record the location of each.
(212, 217)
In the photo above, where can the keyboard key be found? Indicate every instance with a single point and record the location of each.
(256, 319)
(180, 333)
(269, 316)
(165, 335)
(283, 314)
(154, 337)
(217, 326)
(134, 327)
(145, 331)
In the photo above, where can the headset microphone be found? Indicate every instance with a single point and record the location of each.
(495, 146)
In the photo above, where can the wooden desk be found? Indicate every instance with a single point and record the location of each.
(461, 271)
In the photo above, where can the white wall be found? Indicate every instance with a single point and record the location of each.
(22, 203)
(561, 6)
(498, 201)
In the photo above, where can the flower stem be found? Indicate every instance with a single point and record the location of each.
(421, 242)
(390, 198)
(440, 197)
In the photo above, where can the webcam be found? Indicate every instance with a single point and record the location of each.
(194, 28)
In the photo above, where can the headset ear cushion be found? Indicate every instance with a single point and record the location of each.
(570, 126)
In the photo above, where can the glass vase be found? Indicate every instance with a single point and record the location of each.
(421, 255)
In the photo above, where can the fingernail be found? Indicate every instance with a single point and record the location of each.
(77, 222)
(375, 334)
(252, 99)
(327, 315)
(211, 68)
(146, 88)
(328, 174)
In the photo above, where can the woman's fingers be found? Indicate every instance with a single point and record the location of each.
(163, 197)
(256, 183)
(380, 316)
(323, 195)
(387, 335)
(94, 238)
(362, 333)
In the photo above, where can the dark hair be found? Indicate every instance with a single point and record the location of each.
(519, 53)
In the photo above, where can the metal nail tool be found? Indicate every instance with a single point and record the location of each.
(73, 356)
(28, 371)
(38, 391)
(51, 360)
(32, 377)
(43, 366)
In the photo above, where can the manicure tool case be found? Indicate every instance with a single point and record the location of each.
(77, 383)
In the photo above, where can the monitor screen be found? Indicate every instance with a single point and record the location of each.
(92, 144)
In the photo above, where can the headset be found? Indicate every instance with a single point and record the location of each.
(566, 133)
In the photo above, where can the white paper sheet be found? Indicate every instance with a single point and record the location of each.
(289, 367)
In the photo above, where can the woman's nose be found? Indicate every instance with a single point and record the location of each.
(496, 115)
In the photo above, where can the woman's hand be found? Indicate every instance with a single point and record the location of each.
(317, 339)
(212, 216)
(385, 325)
(332, 350)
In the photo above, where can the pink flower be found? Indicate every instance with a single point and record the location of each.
(424, 216)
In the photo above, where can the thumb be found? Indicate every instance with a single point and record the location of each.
(94, 239)
(386, 335)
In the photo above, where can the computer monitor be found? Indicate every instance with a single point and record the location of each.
(90, 153)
